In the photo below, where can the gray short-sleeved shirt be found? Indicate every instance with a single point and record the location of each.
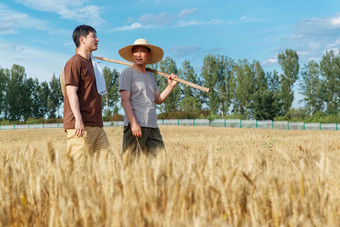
(142, 87)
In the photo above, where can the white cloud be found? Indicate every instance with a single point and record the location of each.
(296, 36)
(185, 50)
(164, 19)
(335, 21)
(272, 61)
(51, 5)
(160, 19)
(38, 63)
(186, 12)
(243, 18)
(133, 26)
(248, 19)
(335, 43)
(11, 20)
(215, 21)
(183, 23)
(76, 10)
(335, 50)
(302, 53)
(313, 36)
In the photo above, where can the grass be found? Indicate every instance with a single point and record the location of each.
(210, 177)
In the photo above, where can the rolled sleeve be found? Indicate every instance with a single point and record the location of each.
(125, 81)
(72, 74)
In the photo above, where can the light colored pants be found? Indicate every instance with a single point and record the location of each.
(93, 143)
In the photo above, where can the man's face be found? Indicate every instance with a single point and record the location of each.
(140, 55)
(90, 41)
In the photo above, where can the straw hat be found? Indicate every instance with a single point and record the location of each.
(156, 52)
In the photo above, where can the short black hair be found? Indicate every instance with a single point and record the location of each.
(81, 31)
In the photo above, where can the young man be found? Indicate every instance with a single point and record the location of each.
(82, 104)
(139, 94)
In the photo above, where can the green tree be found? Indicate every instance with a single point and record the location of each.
(210, 70)
(187, 73)
(311, 87)
(111, 99)
(330, 71)
(273, 81)
(225, 84)
(39, 98)
(261, 82)
(17, 99)
(56, 98)
(3, 85)
(191, 97)
(265, 105)
(168, 65)
(190, 105)
(245, 87)
(265, 102)
(44, 97)
(289, 62)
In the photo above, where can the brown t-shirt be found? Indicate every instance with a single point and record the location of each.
(79, 72)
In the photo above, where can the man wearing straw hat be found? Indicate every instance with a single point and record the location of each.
(139, 94)
(82, 102)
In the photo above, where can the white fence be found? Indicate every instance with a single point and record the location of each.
(227, 123)
(237, 123)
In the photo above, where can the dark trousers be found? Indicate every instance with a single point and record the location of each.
(150, 143)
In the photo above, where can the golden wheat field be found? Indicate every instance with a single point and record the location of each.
(210, 177)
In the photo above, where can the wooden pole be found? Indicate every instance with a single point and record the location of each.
(159, 73)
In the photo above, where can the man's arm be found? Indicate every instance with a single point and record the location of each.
(160, 97)
(71, 92)
(135, 128)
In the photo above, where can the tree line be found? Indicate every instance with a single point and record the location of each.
(238, 88)
(242, 89)
(22, 98)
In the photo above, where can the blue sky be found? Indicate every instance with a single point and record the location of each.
(37, 34)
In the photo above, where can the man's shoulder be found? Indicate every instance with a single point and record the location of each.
(127, 70)
(77, 59)
(73, 60)
(134, 72)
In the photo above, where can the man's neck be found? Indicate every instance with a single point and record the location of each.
(84, 53)
(140, 68)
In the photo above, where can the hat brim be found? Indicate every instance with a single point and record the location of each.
(156, 53)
